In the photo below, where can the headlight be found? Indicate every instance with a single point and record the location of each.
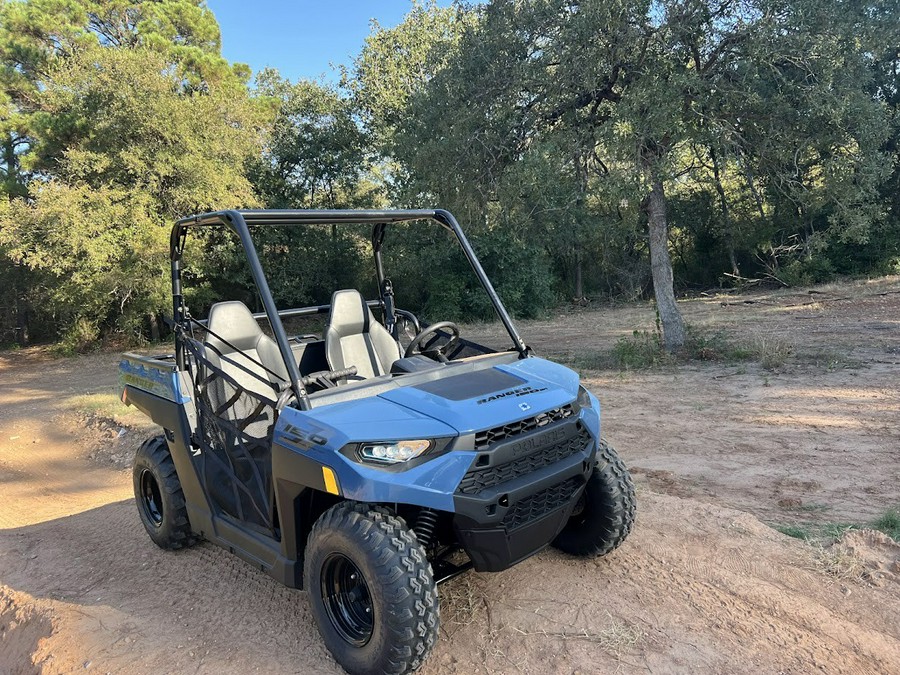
(584, 398)
(393, 452)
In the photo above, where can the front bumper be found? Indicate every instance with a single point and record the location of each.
(520, 492)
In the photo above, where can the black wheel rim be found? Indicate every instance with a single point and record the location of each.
(151, 498)
(579, 515)
(347, 601)
(579, 505)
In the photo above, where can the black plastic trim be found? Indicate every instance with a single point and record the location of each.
(483, 521)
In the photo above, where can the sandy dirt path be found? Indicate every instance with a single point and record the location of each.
(703, 585)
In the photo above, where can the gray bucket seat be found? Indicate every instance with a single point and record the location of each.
(355, 338)
(249, 347)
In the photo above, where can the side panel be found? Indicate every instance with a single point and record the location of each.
(278, 559)
(153, 374)
(157, 375)
(156, 388)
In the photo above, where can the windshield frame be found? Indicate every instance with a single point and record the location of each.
(240, 222)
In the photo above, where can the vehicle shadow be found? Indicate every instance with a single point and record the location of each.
(123, 605)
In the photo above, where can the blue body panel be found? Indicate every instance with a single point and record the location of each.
(374, 419)
(412, 413)
(591, 416)
(544, 385)
(152, 375)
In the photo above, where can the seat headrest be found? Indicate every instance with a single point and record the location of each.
(234, 322)
(349, 313)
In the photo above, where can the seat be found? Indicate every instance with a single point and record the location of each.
(239, 415)
(248, 348)
(354, 338)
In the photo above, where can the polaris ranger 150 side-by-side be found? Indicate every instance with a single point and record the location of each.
(361, 471)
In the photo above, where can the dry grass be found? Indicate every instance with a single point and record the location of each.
(614, 638)
(106, 404)
(836, 562)
(771, 352)
(109, 407)
(463, 602)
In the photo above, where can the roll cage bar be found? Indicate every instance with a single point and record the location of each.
(241, 221)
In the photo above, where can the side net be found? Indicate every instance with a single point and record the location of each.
(236, 413)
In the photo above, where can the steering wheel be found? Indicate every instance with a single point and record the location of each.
(452, 328)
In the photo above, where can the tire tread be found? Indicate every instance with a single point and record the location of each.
(404, 572)
(155, 451)
(611, 484)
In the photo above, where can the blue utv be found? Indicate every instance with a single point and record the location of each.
(361, 470)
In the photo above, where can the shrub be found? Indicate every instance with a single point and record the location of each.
(643, 349)
(83, 335)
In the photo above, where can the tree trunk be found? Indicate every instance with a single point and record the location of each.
(15, 189)
(154, 326)
(22, 337)
(661, 267)
(580, 163)
(579, 281)
(10, 164)
(726, 220)
(751, 184)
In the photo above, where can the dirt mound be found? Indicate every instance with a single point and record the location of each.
(22, 630)
(107, 442)
(697, 588)
(877, 553)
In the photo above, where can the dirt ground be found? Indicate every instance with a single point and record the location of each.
(721, 451)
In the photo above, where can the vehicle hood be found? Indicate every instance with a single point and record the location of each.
(491, 397)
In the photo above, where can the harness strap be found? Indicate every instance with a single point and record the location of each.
(240, 351)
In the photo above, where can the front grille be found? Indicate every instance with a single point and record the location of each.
(477, 479)
(531, 508)
(484, 439)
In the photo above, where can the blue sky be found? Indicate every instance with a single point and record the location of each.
(301, 38)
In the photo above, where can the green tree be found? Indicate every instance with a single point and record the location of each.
(96, 139)
(396, 84)
(396, 63)
(568, 113)
(315, 155)
(35, 34)
(133, 152)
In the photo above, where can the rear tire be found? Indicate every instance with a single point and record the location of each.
(605, 512)
(158, 494)
(371, 589)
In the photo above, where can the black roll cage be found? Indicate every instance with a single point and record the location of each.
(240, 221)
